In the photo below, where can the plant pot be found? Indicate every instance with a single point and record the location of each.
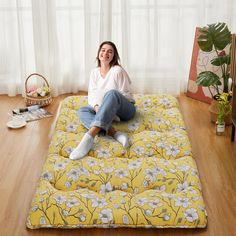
(213, 109)
(220, 128)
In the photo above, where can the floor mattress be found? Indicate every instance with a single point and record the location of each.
(154, 183)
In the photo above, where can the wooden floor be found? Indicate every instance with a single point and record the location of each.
(23, 153)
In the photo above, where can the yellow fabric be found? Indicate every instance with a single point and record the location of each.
(154, 183)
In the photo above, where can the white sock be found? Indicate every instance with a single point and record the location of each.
(122, 138)
(83, 148)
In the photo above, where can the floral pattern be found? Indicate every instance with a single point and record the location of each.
(154, 183)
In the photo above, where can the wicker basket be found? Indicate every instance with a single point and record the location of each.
(42, 101)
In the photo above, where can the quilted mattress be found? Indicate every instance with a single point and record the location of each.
(154, 183)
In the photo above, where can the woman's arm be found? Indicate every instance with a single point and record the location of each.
(124, 84)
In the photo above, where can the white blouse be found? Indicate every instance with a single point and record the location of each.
(116, 78)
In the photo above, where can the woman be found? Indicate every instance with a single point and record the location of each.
(109, 98)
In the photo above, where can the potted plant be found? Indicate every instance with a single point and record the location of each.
(224, 109)
(216, 37)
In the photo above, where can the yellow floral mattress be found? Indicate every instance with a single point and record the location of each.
(154, 183)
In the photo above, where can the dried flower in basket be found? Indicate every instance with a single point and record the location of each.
(35, 92)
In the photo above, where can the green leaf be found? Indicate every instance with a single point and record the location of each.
(218, 61)
(214, 36)
(207, 78)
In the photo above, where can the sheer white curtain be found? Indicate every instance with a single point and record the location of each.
(59, 39)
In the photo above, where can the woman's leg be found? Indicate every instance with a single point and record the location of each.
(114, 103)
(86, 116)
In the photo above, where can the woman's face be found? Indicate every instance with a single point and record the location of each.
(106, 54)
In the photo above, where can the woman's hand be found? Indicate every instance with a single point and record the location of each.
(96, 108)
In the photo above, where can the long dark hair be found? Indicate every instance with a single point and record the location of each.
(116, 57)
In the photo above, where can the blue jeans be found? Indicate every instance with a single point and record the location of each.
(114, 103)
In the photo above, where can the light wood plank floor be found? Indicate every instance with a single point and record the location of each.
(23, 153)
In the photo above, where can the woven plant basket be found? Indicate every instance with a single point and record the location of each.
(42, 101)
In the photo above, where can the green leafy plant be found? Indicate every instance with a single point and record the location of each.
(224, 106)
(215, 37)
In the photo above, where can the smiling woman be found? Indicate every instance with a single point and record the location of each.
(109, 97)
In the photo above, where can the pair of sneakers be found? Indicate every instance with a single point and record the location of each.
(87, 142)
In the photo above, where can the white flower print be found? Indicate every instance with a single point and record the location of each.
(91, 162)
(35, 208)
(147, 103)
(133, 126)
(165, 101)
(69, 150)
(160, 188)
(103, 153)
(124, 186)
(106, 188)
(82, 218)
(72, 203)
(172, 150)
(158, 121)
(182, 187)
(121, 173)
(88, 195)
(67, 184)
(60, 166)
(65, 213)
(108, 170)
(134, 165)
(184, 202)
(123, 201)
(194, 173)
(42, 221)
(117, 206)
(191, 215)
(73, 174)
(71, 127)
(60, 199)
(125, 219)
(141, 201)
(122, 194)
(106, 216)
(168, 195)
(99, 202)
(96, 172)
(171, 113)
(164, 162)
(166, 217)
(145, 183)
(139, 150)
(136, 190)
(160, 171)
(151, 174)
(47, 176)
(184, 168)
(161, 145)
(83, 171)
(148, 212)
(154, 203)
(187, 153)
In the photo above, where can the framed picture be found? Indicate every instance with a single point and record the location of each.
(201, 61)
